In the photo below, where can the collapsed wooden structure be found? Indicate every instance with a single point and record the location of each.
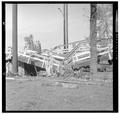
(51, 61)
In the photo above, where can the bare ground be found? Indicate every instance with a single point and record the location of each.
(38, 95)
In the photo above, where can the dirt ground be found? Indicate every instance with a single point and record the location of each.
(39, 95)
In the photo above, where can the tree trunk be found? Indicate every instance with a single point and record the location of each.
(93, 36)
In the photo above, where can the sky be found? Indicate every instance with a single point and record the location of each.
(45, 23)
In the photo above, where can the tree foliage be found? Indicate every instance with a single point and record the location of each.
(104, 20)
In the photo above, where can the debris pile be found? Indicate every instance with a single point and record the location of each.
(74, 63)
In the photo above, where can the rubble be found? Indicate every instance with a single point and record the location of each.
(75, 63)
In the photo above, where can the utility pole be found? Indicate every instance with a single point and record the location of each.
(14, 39)
(65, 23)
(93, 39)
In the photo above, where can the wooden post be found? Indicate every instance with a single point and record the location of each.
(14, 39)
(93, 36)
(65, 26)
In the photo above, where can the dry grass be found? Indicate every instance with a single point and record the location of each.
(40, 95)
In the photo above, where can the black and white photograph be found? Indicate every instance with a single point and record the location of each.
(59, 56)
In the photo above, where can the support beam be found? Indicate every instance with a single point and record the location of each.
(65, 26)
(14, 39)
(93, 39)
